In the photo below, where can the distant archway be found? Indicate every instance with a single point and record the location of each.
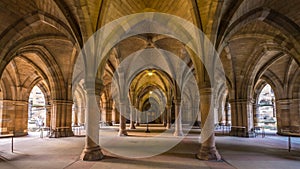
(36, 110)
(266, 109)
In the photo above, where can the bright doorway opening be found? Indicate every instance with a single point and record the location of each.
(36, 110)
(266, 109)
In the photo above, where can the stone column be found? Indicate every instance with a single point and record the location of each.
(75, 116)
(168, 110)
(21, 118)
(195, 114)
(81, 115)
(241, 116)
(115, 116)
(256, 114)
(14, 117)
(222, 114)
(7, 116)
(3, 128)
(122, 128)
(92, 150)
(208, 149)
(107, 112)
(61, 118)
(164, 114)
(178, 122)
(283, 115)
(137, 113)
(48, 115)
(217, 116)
(226, 113)
(189, 114)
(295, 115)
(132, 117)
(137, 117)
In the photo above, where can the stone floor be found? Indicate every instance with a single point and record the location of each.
(33, 152)
(270, 152)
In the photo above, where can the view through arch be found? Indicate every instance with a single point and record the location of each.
(36, 110)
(266, 110)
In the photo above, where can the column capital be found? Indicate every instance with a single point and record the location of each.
(238, 101)
(177, 101)
(206, 91)
(168, 106)
(284, 101)
(92, 89)
(65, 102)
(15, 102)
(48, 106)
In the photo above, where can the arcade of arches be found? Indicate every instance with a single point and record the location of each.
(258, 43)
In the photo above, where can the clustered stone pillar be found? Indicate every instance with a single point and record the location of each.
(81, 115)
(283, 115)
(168, 109)
(61, 118)
(195, 113)
(227, 109)
(107, 112)
(14, 117)
(208, 149)
(294, 113)
(221, 112)
(288, 117)
(137, 113)
(115, 115)
(75, 116)
(137, 117)
(241, 118)
(255, 115)
(122, 128)
(178, 122)
(164, 115)
(21, 118)
(92, 150)
(48, 115)
(132, 117)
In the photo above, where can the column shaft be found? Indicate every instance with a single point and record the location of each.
(208, 149)
(61, 118)
(92, 150)
(168, 109)
(132, 117)
(14, 117)
(178, 120)
(122, 128)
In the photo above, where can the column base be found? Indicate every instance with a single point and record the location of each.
(208, 153)
(15, 134)
(168, 126)
(122, 133)
(109, 123)
(20, 134)
(240, 132)
(178, 133)
(137, 124)
(61, 133)
(91, 154)
(132, 126)
(4, 133)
